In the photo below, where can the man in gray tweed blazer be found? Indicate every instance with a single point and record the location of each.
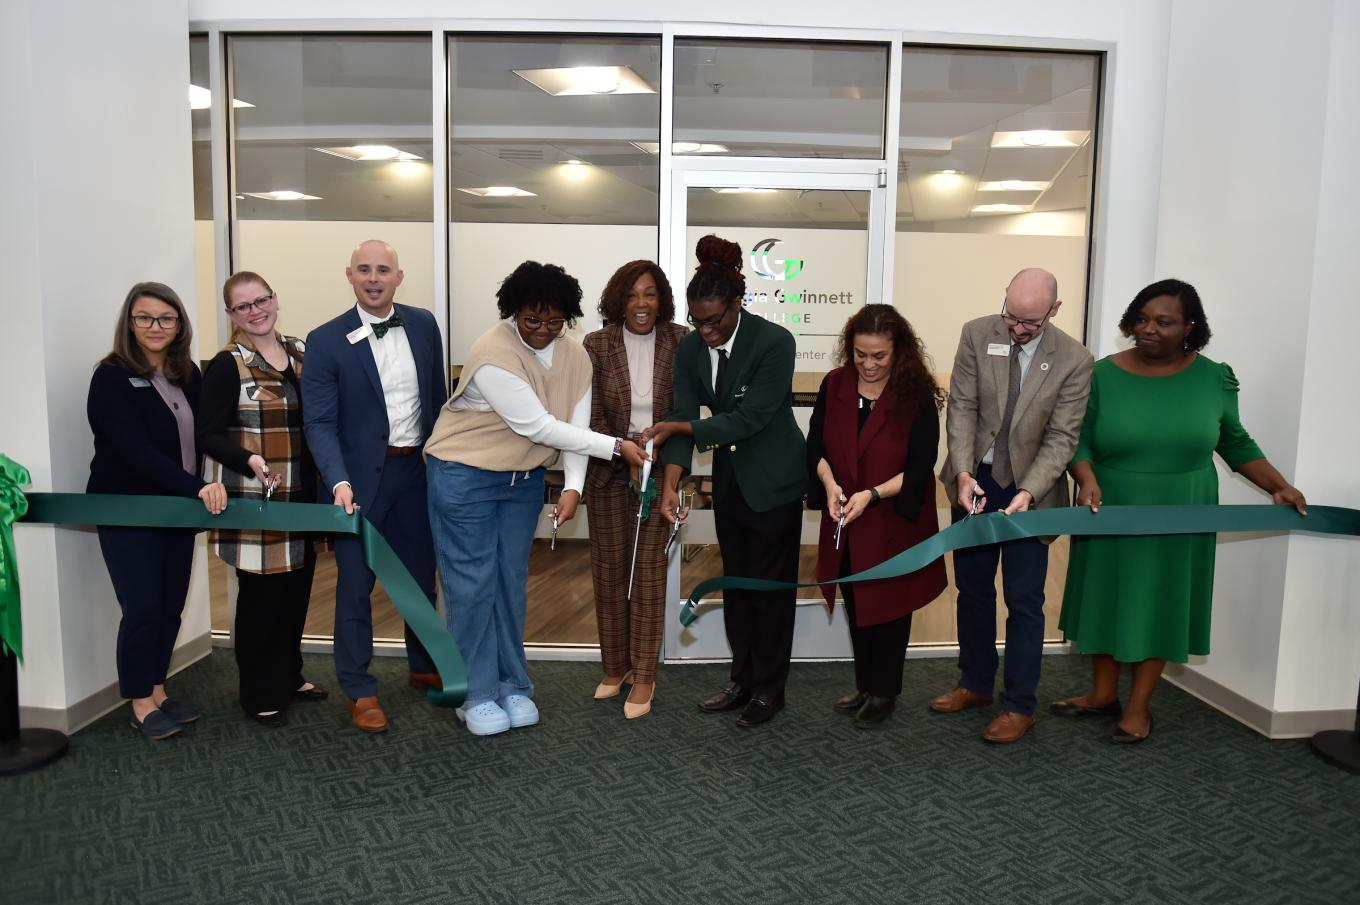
(1017, 397)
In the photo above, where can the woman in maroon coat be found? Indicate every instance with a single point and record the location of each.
(871, 455)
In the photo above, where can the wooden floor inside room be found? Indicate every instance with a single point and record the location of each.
(562, 600)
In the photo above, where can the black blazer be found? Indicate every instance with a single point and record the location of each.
(136, 440)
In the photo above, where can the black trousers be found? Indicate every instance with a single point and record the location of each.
(759, 623)
(150, 571)
(271, 611)
(880, 650)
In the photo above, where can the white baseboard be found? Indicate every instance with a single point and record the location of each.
(107, 699)
(1274, 724)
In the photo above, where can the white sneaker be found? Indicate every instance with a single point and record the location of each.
(521, 709)
(485, 719)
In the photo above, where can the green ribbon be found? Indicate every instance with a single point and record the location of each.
(247, 515)
(995, 528)
(645, 497)
(13, 505)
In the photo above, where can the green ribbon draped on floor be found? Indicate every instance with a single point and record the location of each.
(180, 512)
(994, 527)
(13, 505)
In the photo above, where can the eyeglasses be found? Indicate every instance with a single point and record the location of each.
(1020, 322)
(712, 323)
(258, 304)
(533, 324)
(165, 321)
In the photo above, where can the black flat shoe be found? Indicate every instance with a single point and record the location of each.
(1068, 709)
(730, 698)
(1120, 737)
(875, 710)
(759, 710)
(850, 703)
(273, 721)
(311, 694)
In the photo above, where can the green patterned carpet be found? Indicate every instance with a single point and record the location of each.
(679, 807)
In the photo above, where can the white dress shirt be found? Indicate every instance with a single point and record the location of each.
(1027, 352)
(400, 383)
(511, 397)
(726, 347)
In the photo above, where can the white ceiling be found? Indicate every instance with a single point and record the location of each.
(763, 98)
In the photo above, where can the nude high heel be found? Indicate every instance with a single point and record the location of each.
(604, 692)
(632, 711)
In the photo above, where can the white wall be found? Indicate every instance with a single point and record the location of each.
(1274, 267)
(84, 226)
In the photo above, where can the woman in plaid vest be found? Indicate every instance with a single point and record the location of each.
(250, 427)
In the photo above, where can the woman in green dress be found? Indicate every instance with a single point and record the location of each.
(1156, 415)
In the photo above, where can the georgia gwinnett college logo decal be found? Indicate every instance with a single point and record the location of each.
(781, 270)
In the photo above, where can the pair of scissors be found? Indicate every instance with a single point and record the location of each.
(553, 544)
(840, 522)
(680, 513)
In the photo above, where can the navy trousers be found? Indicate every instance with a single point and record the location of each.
(1024, 568)
(150, 572)
(400, 513)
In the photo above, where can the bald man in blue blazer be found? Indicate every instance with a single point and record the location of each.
(373, 383)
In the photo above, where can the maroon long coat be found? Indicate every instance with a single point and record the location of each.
(861, 460)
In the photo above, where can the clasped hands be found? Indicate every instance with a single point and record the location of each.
(838, 505)
(971, 499)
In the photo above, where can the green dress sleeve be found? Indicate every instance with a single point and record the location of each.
(1234, 443)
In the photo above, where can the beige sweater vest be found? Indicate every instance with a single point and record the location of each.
(482, 439)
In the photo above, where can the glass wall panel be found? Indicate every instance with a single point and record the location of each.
(779, 98)
(994, 175)
(330, 145)
(552, 157)
(205, 309)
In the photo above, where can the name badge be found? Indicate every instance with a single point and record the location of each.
(998, 348)
(139, 381)
(360, 334)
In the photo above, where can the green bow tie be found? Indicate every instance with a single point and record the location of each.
(380, 329)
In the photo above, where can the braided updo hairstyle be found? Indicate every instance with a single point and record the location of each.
(718, 275)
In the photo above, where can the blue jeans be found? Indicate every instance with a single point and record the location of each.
(483, 525)
(1024, 567)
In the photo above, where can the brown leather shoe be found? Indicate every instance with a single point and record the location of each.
(1007, 727)
(426, 680)
(368, 715)
(959, 699)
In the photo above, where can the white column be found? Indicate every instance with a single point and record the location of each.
(98, 195)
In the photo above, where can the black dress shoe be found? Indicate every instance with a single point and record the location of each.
(875, 710)
(850, 703)
(759, 710)
(273, 720)
(1120, 737)
(311, 694)
(1068, 709)
(730, 698)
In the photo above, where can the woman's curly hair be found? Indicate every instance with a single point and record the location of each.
(912, 374)
(614, 299)
(536, 287)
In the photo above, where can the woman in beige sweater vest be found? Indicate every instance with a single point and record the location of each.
(524, 397)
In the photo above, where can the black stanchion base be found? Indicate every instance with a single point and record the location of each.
(1340, 748)
(35, 748)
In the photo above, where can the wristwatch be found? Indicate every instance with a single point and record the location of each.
(618, 447)
(873, 495)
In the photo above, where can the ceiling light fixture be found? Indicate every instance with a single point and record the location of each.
(200, 98)
(575, 81)
(1001, 208)
(283, 195)
(499, 191)
(681, 147)
(369, 152)
(945, 173)
(744, 190)
(1012, 185)
(1039, 138)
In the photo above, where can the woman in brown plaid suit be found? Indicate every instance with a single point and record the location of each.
(632, 356)
(250, 427)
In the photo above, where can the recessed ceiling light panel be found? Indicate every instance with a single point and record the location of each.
(1001, 208)
(576, 81)
(1012, 185)
(283, 195)
(1039, 138)
(681, 147)
(369, 152)
(498, 191)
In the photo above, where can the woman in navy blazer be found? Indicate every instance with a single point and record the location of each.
(141, 408)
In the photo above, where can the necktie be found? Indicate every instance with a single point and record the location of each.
(380, 329)
(722, 369)
(1001, 453)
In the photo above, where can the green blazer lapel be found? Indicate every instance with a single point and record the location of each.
(750, 342)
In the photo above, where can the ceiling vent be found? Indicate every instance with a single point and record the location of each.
(520, 153)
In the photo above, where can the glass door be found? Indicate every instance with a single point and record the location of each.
(812, 254)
